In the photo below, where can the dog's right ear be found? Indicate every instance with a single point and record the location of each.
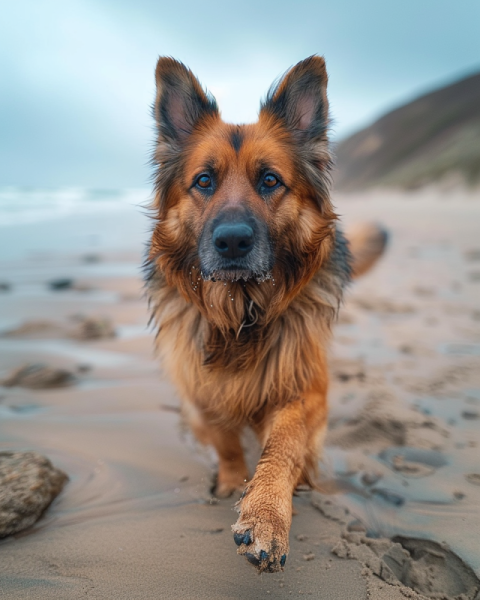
(180, 102)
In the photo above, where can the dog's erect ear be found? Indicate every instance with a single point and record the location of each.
(180, 102)
(300, 99)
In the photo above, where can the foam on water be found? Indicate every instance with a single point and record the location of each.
(35, 222)
(29, 205)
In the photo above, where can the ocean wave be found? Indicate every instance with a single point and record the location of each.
(30, 205)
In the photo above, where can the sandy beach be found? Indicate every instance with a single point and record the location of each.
(398, 514)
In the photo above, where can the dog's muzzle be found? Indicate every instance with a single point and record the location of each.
(235, 245)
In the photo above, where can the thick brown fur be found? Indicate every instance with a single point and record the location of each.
(249, 348)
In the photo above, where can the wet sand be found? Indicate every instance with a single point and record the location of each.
(137, 519)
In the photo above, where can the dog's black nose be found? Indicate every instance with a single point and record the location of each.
(233, 240)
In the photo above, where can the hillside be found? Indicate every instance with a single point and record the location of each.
(435, 136)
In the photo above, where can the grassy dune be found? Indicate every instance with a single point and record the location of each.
(428, 140)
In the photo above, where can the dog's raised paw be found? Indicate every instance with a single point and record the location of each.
(265, 553)
(261, 532)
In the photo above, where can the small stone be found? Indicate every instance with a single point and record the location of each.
(39, 376)
(92, 328)
(473, 478)
(309, 556)
(301, 537)
(28, 484)
(371, 478)
(63, 283)
(356, 526)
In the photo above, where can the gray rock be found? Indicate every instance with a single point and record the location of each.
(28, 484)
(39, 376)
(64, 283)
(93, 329)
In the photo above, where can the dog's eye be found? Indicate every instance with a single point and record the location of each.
(270, 180)
(204, 181)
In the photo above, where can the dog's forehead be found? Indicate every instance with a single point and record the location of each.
(244, 149)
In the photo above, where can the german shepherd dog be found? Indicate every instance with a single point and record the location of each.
(246, 270)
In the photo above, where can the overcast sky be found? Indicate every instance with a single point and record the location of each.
(76, 76)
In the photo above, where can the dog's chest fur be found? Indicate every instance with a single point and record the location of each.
(264, 363)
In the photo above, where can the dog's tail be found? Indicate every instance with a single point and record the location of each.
(367, 242)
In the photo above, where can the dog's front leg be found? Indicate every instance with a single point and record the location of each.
(232, 470)
(263, 526)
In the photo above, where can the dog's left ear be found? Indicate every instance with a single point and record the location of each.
(300, 100)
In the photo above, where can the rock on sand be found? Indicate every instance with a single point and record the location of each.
(28, 484)
(38, 377)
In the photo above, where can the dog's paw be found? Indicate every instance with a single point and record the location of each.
(261, 534)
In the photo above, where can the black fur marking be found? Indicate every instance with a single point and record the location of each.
(236, 140)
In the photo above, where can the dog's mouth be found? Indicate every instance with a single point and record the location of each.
(236, 274)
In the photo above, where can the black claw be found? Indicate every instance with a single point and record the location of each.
(242, 538)
(252, 559)
(283, 560)
(263, 555)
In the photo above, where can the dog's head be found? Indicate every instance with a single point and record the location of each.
(244, 214)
